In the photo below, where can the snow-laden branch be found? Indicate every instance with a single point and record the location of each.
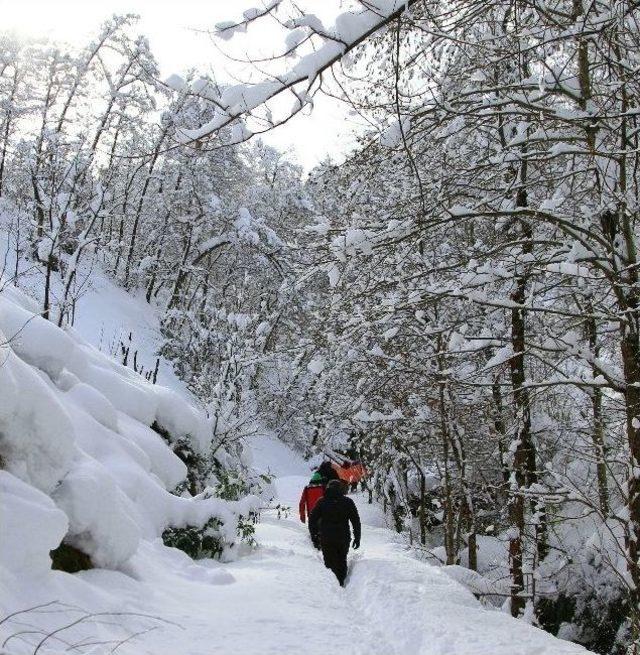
(235, 102)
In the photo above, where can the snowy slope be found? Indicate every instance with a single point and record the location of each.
(80, 462)
(105, 314)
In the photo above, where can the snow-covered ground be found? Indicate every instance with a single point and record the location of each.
(105, 314)
(392, 603)
(281, 599)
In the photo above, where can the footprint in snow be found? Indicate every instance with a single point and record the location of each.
(209, 576)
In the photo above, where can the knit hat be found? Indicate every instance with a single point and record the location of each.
(316, 477)
(335, 488)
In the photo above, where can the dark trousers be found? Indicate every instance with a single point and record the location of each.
(335, 558)
(315, 539)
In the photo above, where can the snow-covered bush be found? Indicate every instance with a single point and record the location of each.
(206, 541)
(217, 537)
(82, 465)
(227, 483)
(584, 596)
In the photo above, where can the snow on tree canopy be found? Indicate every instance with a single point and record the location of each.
(350, 27)
(316, 365)
(392, 135)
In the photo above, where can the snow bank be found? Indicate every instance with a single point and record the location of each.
(131, 396)
(36, 433)
(34, 339)
(181, 419)
(163, 463)
(95, 404)
(31, 527)
(100, 523)
(421, 609)
(81, 461)
(476, 583)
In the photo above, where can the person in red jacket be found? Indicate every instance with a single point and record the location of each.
(311, 494)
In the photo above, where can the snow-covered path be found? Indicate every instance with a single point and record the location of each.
(281, 600)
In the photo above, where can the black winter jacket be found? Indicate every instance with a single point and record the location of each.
(331, 516)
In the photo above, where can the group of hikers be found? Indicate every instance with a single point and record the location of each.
(330, 511)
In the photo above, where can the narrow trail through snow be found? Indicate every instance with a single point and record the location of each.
(280, 600)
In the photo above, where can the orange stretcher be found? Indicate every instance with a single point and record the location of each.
(351, 474)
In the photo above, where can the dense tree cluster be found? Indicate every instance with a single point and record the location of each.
(93, 179)
(479, 328)
(457, 304)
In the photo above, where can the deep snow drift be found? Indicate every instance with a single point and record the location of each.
(80, 462)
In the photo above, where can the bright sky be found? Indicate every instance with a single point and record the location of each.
(172, 27)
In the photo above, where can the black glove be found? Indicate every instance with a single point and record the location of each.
(356, 544)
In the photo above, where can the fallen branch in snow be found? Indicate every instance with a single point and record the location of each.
(55, 607)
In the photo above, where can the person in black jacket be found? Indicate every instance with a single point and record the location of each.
(330, 519)
(327, 472)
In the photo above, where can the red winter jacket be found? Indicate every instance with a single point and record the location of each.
(311, 494)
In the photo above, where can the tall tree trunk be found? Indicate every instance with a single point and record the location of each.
(140, 206)
(522, 447)
(46, 310)
(630, 342)
(597, 430)
(422, 513)
(7, 127)
(183, 273)
(631, 365)
(449, 514)
(467, 509)
(501, 433)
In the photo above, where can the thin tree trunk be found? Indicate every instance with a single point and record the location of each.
(631, 365)
(7, 127)
(47, 285)
(597, 431)
(422, 514)
(521, 447)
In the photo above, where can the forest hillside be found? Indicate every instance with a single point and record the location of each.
(453, 302)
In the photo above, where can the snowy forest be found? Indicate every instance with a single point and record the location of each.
(454, 302)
